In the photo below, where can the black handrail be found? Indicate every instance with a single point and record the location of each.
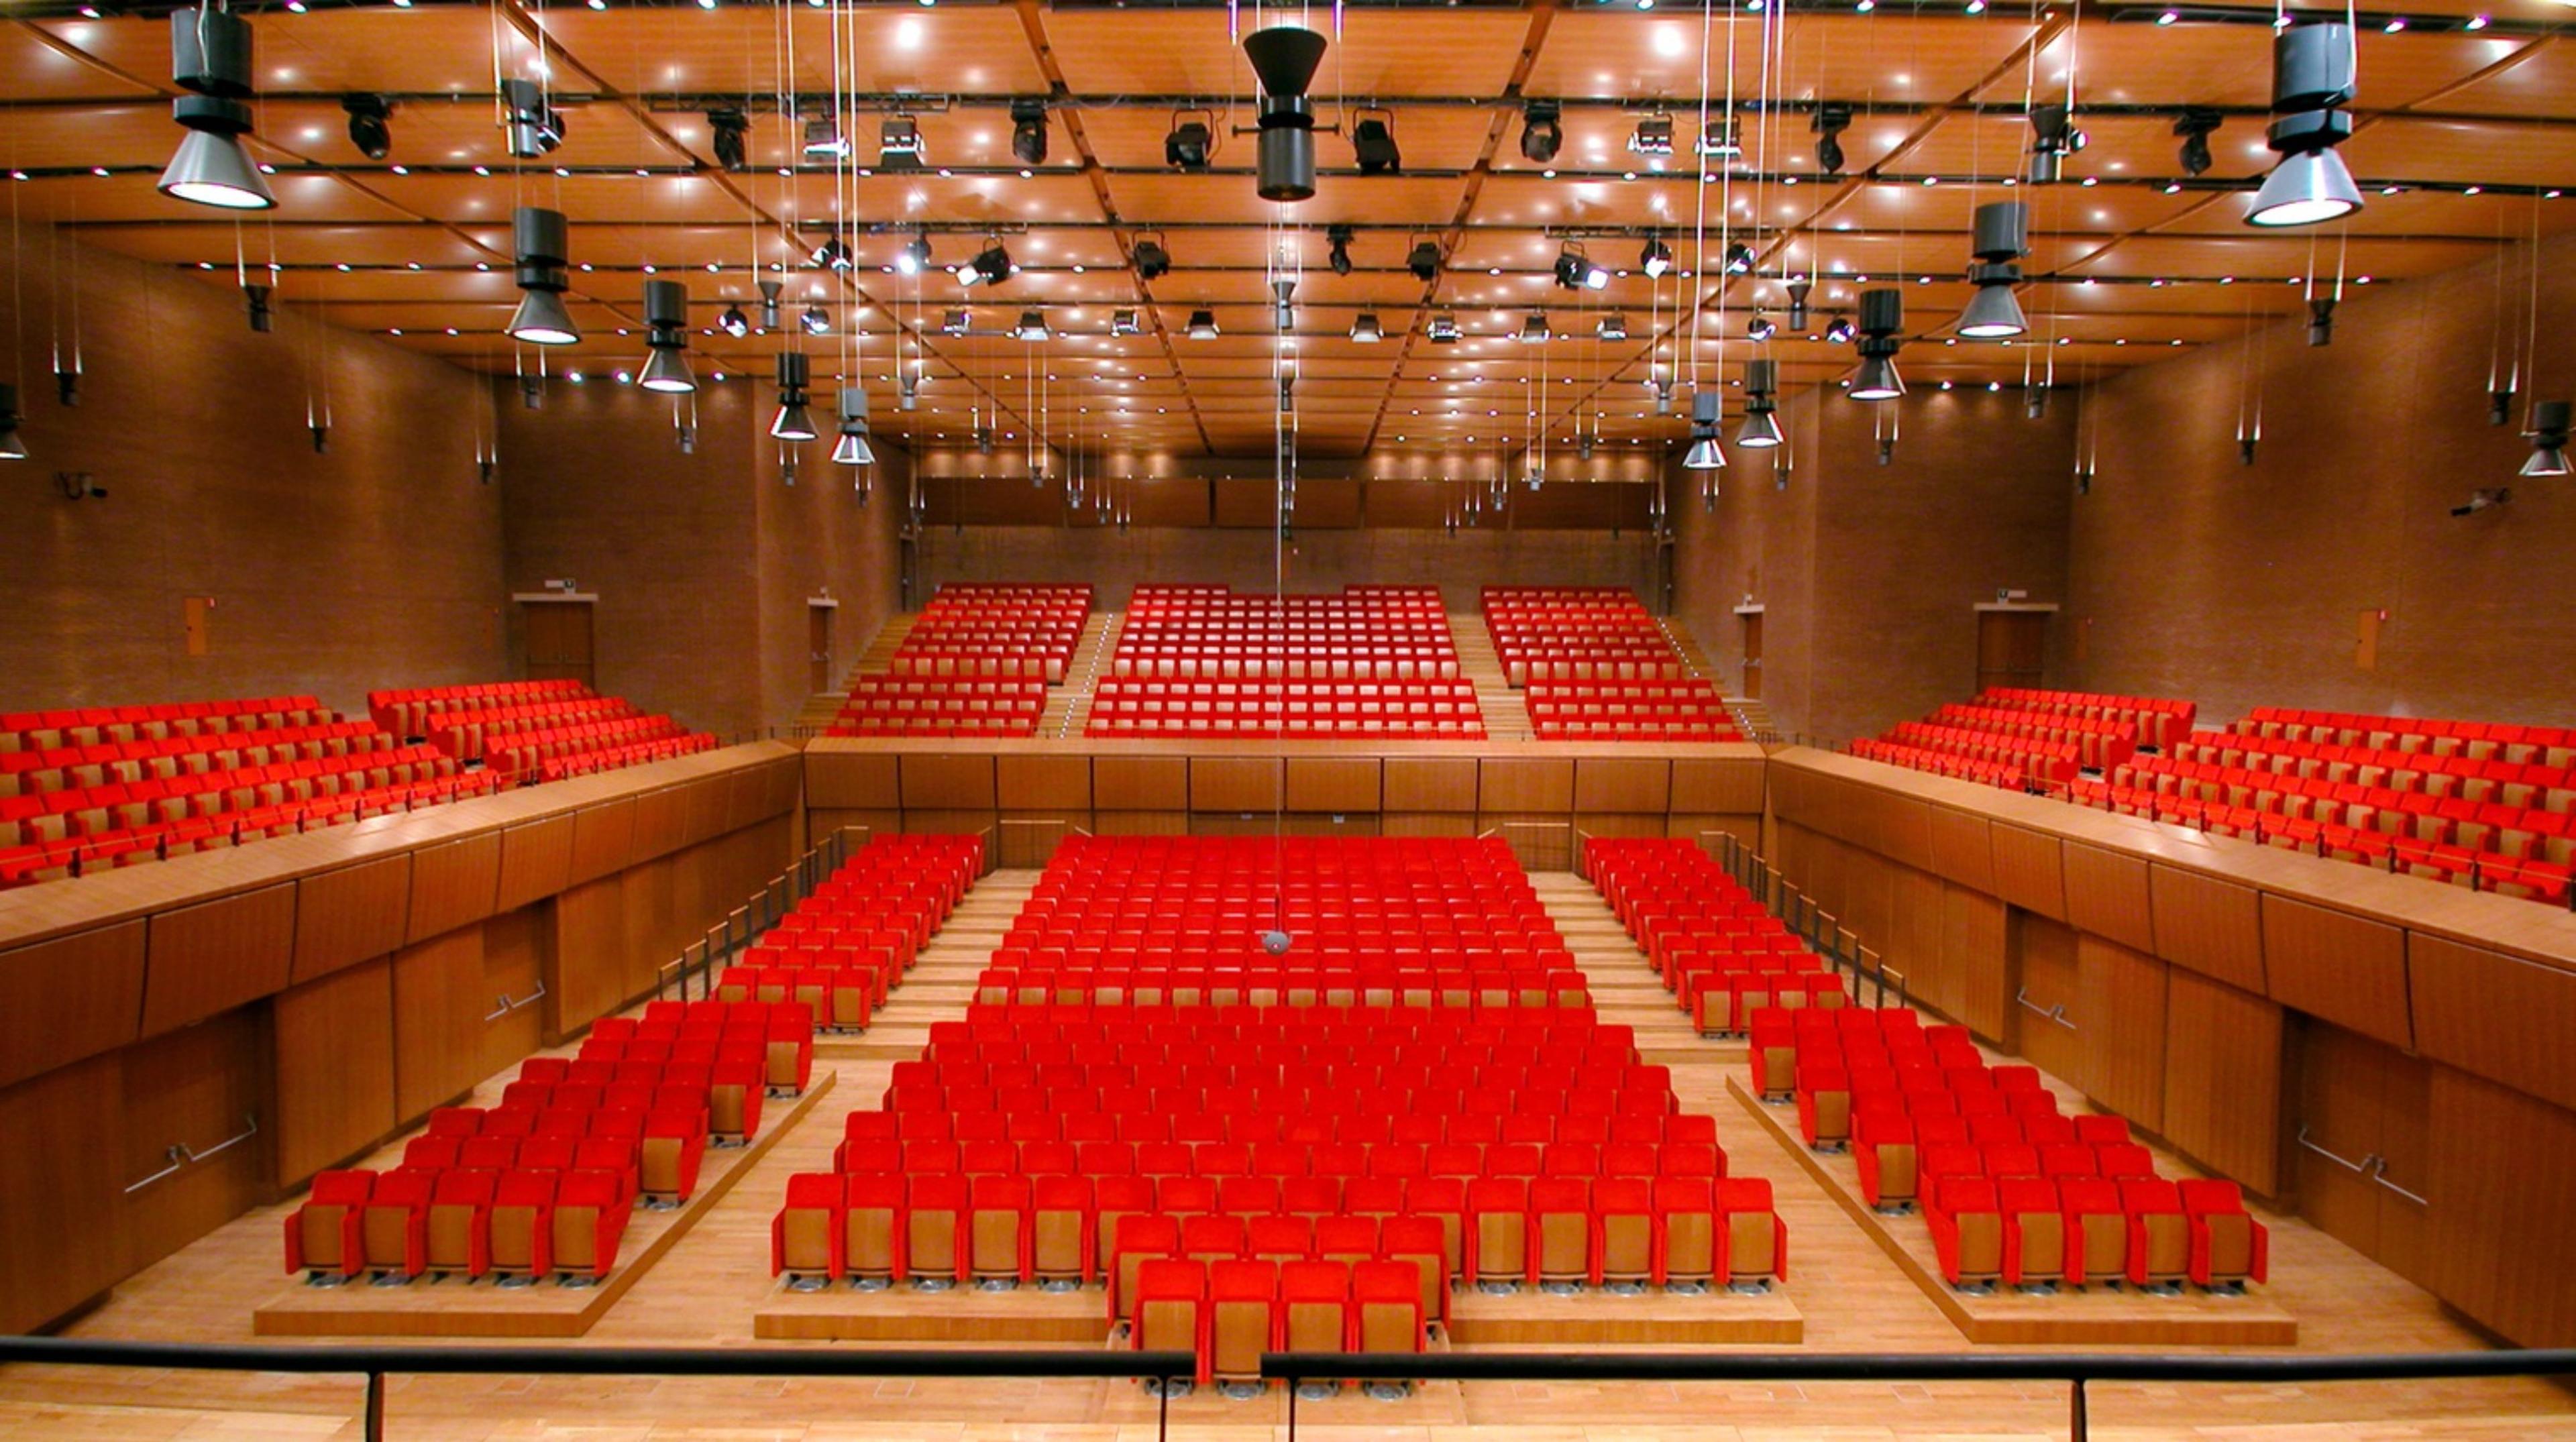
(375, 1363)
(2077, 1369)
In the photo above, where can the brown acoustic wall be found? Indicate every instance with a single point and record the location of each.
(702, 562)
(374, 564)
(2240, 586)
(1869, 574)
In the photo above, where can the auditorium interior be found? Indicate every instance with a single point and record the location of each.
(1095, 719)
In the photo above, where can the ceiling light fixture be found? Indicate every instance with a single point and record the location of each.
(1533, 328)
(1424, 260)
(1653, 136)
(1882, 315)
(2196, 124)
(2312, 78)
(831, 254)
(1373, 142)
(733, 322)
(769, 290)
(824, 142)
(537, 238)
(730, 129)
(1704, 453)
(1191, 139)
(210, 57)
(1760, 328)
(1542, 131)
(1576, 271)
(370, 124)
(1202, 325)
(852, 448)
(1125, 322)
(915, 257)
(1739, 259)
(1443, 329)
(991, 266)
(1153, 262)
(2002, 239)
(530, 127)
(899, 144)
(953, 323)
(793, 422)
(666, 321)
(1827, 123)
(1614, 326)
(1032, 327)
(816, 320)
(1839, 330)
(1719, 138)
(2053, 137)
(1285, 57)
(1029, 131)
(1339, 237)
(2549, 427)
(1655, 258)
(1799, 290)
(1365, 328)
(1761, 428)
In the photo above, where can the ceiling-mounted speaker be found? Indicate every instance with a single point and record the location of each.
(1285, 58)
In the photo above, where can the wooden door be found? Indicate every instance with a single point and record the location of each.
(2012, 648)
(818, 643)
(558, 635)
(2360, 1147)
(1751, 622)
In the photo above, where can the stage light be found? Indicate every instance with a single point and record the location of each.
(12, 447)
(729, 130)
(530, 128)
(1761, 428)
(1575, 270)
(1125, 322)
(1190, 141)
(2195, 126)
(210, 57)
(1760, 328)
(1339, 237)
(1443, 329)
(1366, 330)
(899, 145)
(1656, 257)
(1202, 325)
(1704, 453)
(1839, 330)
(953, 322)
(1653, 137)
(1739, 259)
(1614, 326)
(1719, 138)
(991, 265)
(816, 320)
(824, 142)
(1827, 123)
(1533, 328)
(1424, 260)
(915, 257)
(831, 254)
(1542, 131)
(666, 322)
(2549, 427)
(1373, 143)
(1799, 290)
(733, 322)
(1032, 327)
(1882, 315)
(852, 449)
(1029, 131)
(370, 124)
(1153, 262)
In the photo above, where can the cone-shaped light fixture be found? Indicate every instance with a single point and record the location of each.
(852, 448)
(2312, 78)
(1882, 315)
(2549, 425)
(666, 320)
(537, 235)
(11, 447)
(793, 422)
(210, 58)
(1761, 429)
(2003, 238)
(1285, 57)
(1704, 454)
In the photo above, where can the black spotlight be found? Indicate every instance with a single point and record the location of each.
(1153, 262)
(731, 130)
(1373, 143)
(1542, 131)
(370, 127)
(1840, 330)
(1424, 260)
(2195, 126)
(2053, 137)
(262, 319)
(1191, 138)
(992, 265)
(1827, 124)
(1739, 259)
(1285, 57)
(1340, 236)
(1656, 257)
(534, 129)
(733, 322)
(1029, 131)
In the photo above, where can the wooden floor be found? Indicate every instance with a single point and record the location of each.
(706, 1291)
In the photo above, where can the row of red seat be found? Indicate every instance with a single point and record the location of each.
(59, 768)
(1717, 950)
(96, 725)
(2160, 720)
(2537, 783)
(618, 758)
(1205, 661)
(2521, 745)
(2044, 761)
(407, 711)
(1595, 666)
(847, 944)
(80, 855)
(464, 734)
(544, 1184)
(1003, 629)
(888, 705)
(519, 754)
(1942, 763)
(2098, 743)
(1687, 708)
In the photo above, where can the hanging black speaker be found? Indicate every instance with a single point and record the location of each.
(1285, 57)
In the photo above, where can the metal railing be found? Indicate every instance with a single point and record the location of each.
(1841, 949)
(376, 1363)
(2077, 1370)
(748, 922)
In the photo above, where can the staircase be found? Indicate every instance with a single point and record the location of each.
(1506, 719)
(942, 978)
(821, 707)
(1068, 707)
(1755, 718)
(1625, 989)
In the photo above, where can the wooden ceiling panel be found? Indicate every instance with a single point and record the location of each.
(133, 198)
(1379, 55)
(2407, 149)
(1432, 137)
(1172, 198)
(965, 49)
(2286, 255)
(446, 48)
